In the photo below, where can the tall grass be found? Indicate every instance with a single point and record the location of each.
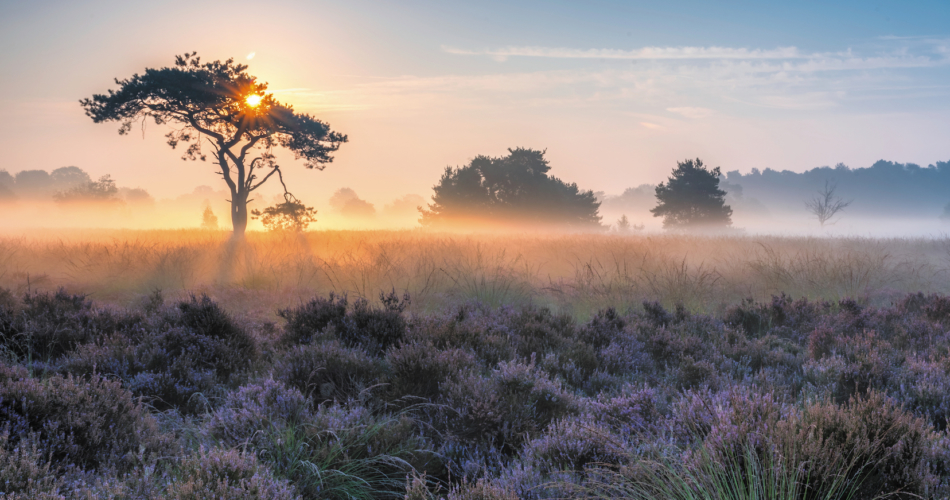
(741, 476)
(572, 273)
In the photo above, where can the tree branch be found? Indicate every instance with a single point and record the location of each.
(268, 176)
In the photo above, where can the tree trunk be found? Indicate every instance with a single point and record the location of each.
(239, 215)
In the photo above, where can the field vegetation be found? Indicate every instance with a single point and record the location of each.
(432, 365)
(569, 273)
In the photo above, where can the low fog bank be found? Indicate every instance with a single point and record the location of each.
(68, 197)
(886, 200)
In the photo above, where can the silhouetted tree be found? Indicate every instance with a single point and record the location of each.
(349, 204)
(623, 224)
(513, 189)
(102, 192)
(209, 220)
(826, 204)
(290, 215)
(945, 216)
(691, 198)
(33, 183)
(223, 103)
(64, 178)
(6, 187)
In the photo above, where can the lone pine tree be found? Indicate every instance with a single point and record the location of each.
(221, 104)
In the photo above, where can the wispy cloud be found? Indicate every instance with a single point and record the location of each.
(771, 60)
(708, 78)
(691, 112)
(647, 53)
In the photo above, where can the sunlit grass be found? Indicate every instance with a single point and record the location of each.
(573, 273)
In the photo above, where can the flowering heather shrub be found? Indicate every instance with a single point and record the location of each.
(375, 329)
(419, 369)
(924, 389)
(170, 368)
(602, 328)
(25, 471)
(227, 475)
(782, 316)
(573, 443)
(871, 439)
(634, 410)
(45, 326)
(87, 423)
(481, 490)
(328, 371)
(254, 410)
(821, 342)
(309, 320)
(865, 361)
(511, 402)
(516, 401)
(741, 420)
(345, 451)
(484, 331)
(178, 359)
(371, 328)
(207, 319)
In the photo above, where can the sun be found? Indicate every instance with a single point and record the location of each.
(253, 100)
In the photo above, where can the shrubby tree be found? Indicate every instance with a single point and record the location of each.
(826, 204)
(209, 220)
(42, 184)
(349, 204)
(103, 192)
(515, 190)
(136, 196)
(221, 104)
(289, 215)
(945, 216)
(691, 198)
(6, 186)
(67, 177)
(623, 224)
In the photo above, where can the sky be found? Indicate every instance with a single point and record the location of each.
(616, 92)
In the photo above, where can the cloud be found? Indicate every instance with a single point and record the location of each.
(647, 53)
(932, 53)
(781, 78)
(691, 112)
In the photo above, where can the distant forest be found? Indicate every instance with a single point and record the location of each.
(883, 189)
(43, 185)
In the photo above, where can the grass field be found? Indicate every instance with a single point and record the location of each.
(493, 367)
(576, 274)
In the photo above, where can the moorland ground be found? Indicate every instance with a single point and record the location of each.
(420, 365)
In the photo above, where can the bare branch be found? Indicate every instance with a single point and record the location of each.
(826, 204)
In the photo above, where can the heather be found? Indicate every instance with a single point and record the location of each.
(358, 398)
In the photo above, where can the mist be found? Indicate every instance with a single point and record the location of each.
(888, 199)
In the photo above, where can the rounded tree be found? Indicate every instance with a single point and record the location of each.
(691, 198)
(513, 190)
(221, 104)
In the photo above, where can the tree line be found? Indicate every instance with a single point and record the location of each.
(220, 106)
